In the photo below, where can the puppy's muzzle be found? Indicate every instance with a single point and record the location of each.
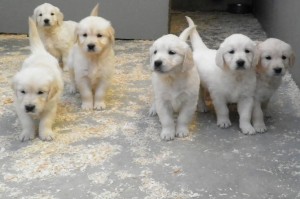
(30, 108)
(46, 22)
(158, 65)
(91, 47)
(277, 71)
(240, 64)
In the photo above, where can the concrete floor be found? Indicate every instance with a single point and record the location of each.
(117, 153)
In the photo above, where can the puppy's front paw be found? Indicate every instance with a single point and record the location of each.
(247, 129)
(167, 134)
(260, 128)
(46, 135)
(100, 105)
(86, 106)
(182, 131)
(224, 123)
(26, 135)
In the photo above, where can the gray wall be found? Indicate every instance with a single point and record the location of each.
(132, 19)
(280, 19)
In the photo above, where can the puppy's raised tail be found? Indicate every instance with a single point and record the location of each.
(36, 44)
(186, 33)
(196, 40)
(95, 11)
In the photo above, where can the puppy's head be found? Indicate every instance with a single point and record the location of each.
(170, 53)
(33, 89)
(47, 15)
(275, 57)
(95, 34)
(237, 53)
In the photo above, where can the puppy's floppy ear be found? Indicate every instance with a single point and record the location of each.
(111, 34)
(219, 57)
(34, 16)
(60, 17)
(14, 83)
(188, 61)
(256, 56)
(53, 91)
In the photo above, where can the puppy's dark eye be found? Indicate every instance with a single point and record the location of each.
(155, 52)
(40, 93)
(171, 52)
(99, 35)
(283, 57)
(268, 57)
(231, 52)
(247, 51)
(85, 35)
(52, 13)
(23, 92)
(40, 14)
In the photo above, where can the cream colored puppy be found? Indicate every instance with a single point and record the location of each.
(91, 61)
(176, 84)
(229, 75)
(37, 87)
(57, 35)
(275, 58)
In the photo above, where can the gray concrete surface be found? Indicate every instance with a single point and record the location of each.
(117, 153)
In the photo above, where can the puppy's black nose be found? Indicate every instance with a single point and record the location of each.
(30, 108)
(157, 64)
(46, 21)
(277, 70)
(240, 63)
(91, 46)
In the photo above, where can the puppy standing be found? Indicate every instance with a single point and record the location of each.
(37, 87)
(275, 58)
(91, 61)
(229, 75)
(57, 35)
(176, 84)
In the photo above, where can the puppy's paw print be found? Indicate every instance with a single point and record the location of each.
(46, 135)
(100, 106)
(167, 134)
(182, 131)
(260, 128)
(248, 129)
(25, 136)
(224, 123)
(87, 106)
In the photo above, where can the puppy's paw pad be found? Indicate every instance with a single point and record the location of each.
(100, 106)
(87, 106)
(47, 136)
(167, 134)
(248, 130)
(25, 136)
(182, 132)
(224, 123)
(260, 128)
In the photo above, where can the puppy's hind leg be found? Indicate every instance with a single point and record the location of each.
(165, 114)
(201, 106)
(152, 110)
(72, 87)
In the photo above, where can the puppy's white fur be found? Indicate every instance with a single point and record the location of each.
(58, 36)
(229, 75)
(38, 86)
(275, 58)
(91, 61)
(175, 83)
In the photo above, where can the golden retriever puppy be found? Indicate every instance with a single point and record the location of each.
(275, 58)
(91, 61)
(229, 75)
(176, 84)
(37, 86)
(58, 36)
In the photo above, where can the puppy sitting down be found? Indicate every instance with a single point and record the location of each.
(275, 58)
(175, 82)
(37, 86)
(58, 36)
(91, 61)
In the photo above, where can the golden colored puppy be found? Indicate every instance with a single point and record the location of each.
(57, 35)
(38, 86)
(275, 58)
(91, 61)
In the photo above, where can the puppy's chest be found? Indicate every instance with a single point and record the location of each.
(265, 89)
